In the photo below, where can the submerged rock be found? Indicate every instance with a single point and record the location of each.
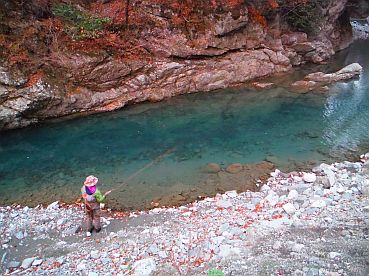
(212, 168)
(234, 168)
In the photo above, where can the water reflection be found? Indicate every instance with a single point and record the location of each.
(347, 107)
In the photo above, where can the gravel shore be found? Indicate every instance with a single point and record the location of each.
(299, 223)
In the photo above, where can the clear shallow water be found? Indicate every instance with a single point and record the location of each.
(50, 161)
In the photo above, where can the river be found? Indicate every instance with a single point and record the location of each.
(49, 161)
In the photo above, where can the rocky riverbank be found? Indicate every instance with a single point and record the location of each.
(299, 223)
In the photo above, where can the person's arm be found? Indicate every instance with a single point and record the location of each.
(99, 197)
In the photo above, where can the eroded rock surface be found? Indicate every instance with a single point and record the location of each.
(319, 79)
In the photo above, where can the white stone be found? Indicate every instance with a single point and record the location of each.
(231, 194)
(320, 203)
(60, 221)
(93, 273)
(275, 173)
(223, 204)
(95, 254)
(309, 177)
(162, 254)
(277, 245)
(297, 247)
(54, 205)
(331, 176)
(264, 188)
(272, 198)
(27, 263)
(289, 208)
(144, 267)
(293, 194)
(333, 255)
(37, 262)
(81, 266)
(19, 235)
(228, 250)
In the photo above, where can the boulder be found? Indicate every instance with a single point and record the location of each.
(309, 177)
(234, 168)
(320, 79)
(212, 168)
(27, 263)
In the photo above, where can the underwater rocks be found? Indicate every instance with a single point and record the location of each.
(212, 168)
(234, 168)
(320, 79)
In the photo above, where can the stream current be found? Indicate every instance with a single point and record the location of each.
(50, 161)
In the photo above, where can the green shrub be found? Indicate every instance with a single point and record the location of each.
(79, 24)
(305, 17)
(215, 272)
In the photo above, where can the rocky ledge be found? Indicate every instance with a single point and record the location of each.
(299, 223)
(320, 79)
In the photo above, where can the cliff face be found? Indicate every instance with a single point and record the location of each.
(50, 70)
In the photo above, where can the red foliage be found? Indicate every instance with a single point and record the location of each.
(34, 78)
(115, 10)
(257, 17)
(234, 3)
(20, 57)
(273, 4)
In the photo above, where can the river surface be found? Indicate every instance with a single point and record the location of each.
(49, 162)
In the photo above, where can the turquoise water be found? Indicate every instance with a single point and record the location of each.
(50, 161)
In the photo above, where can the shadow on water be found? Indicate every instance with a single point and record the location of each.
(50, 161)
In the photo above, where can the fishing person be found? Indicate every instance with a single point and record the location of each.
(92, 198)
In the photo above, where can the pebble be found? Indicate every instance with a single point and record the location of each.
(289, 208)
(37, 262)
(309, 177)
(144, 267)
(95, 254)
(224, 204)
(297, 247)
(19, 235)
(13, 264)
(53, 206)
(293, 194)
(60, 221)
(81, 266)
(319, 203)
(277, 245)
(334, 255)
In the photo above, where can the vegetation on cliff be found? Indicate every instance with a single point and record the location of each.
(116, 26)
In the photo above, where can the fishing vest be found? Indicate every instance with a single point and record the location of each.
(90, 200)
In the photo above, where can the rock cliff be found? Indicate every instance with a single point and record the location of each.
(48, 70)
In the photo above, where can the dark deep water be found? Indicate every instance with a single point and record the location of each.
(50, 161)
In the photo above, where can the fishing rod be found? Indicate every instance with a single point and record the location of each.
(155, 161)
